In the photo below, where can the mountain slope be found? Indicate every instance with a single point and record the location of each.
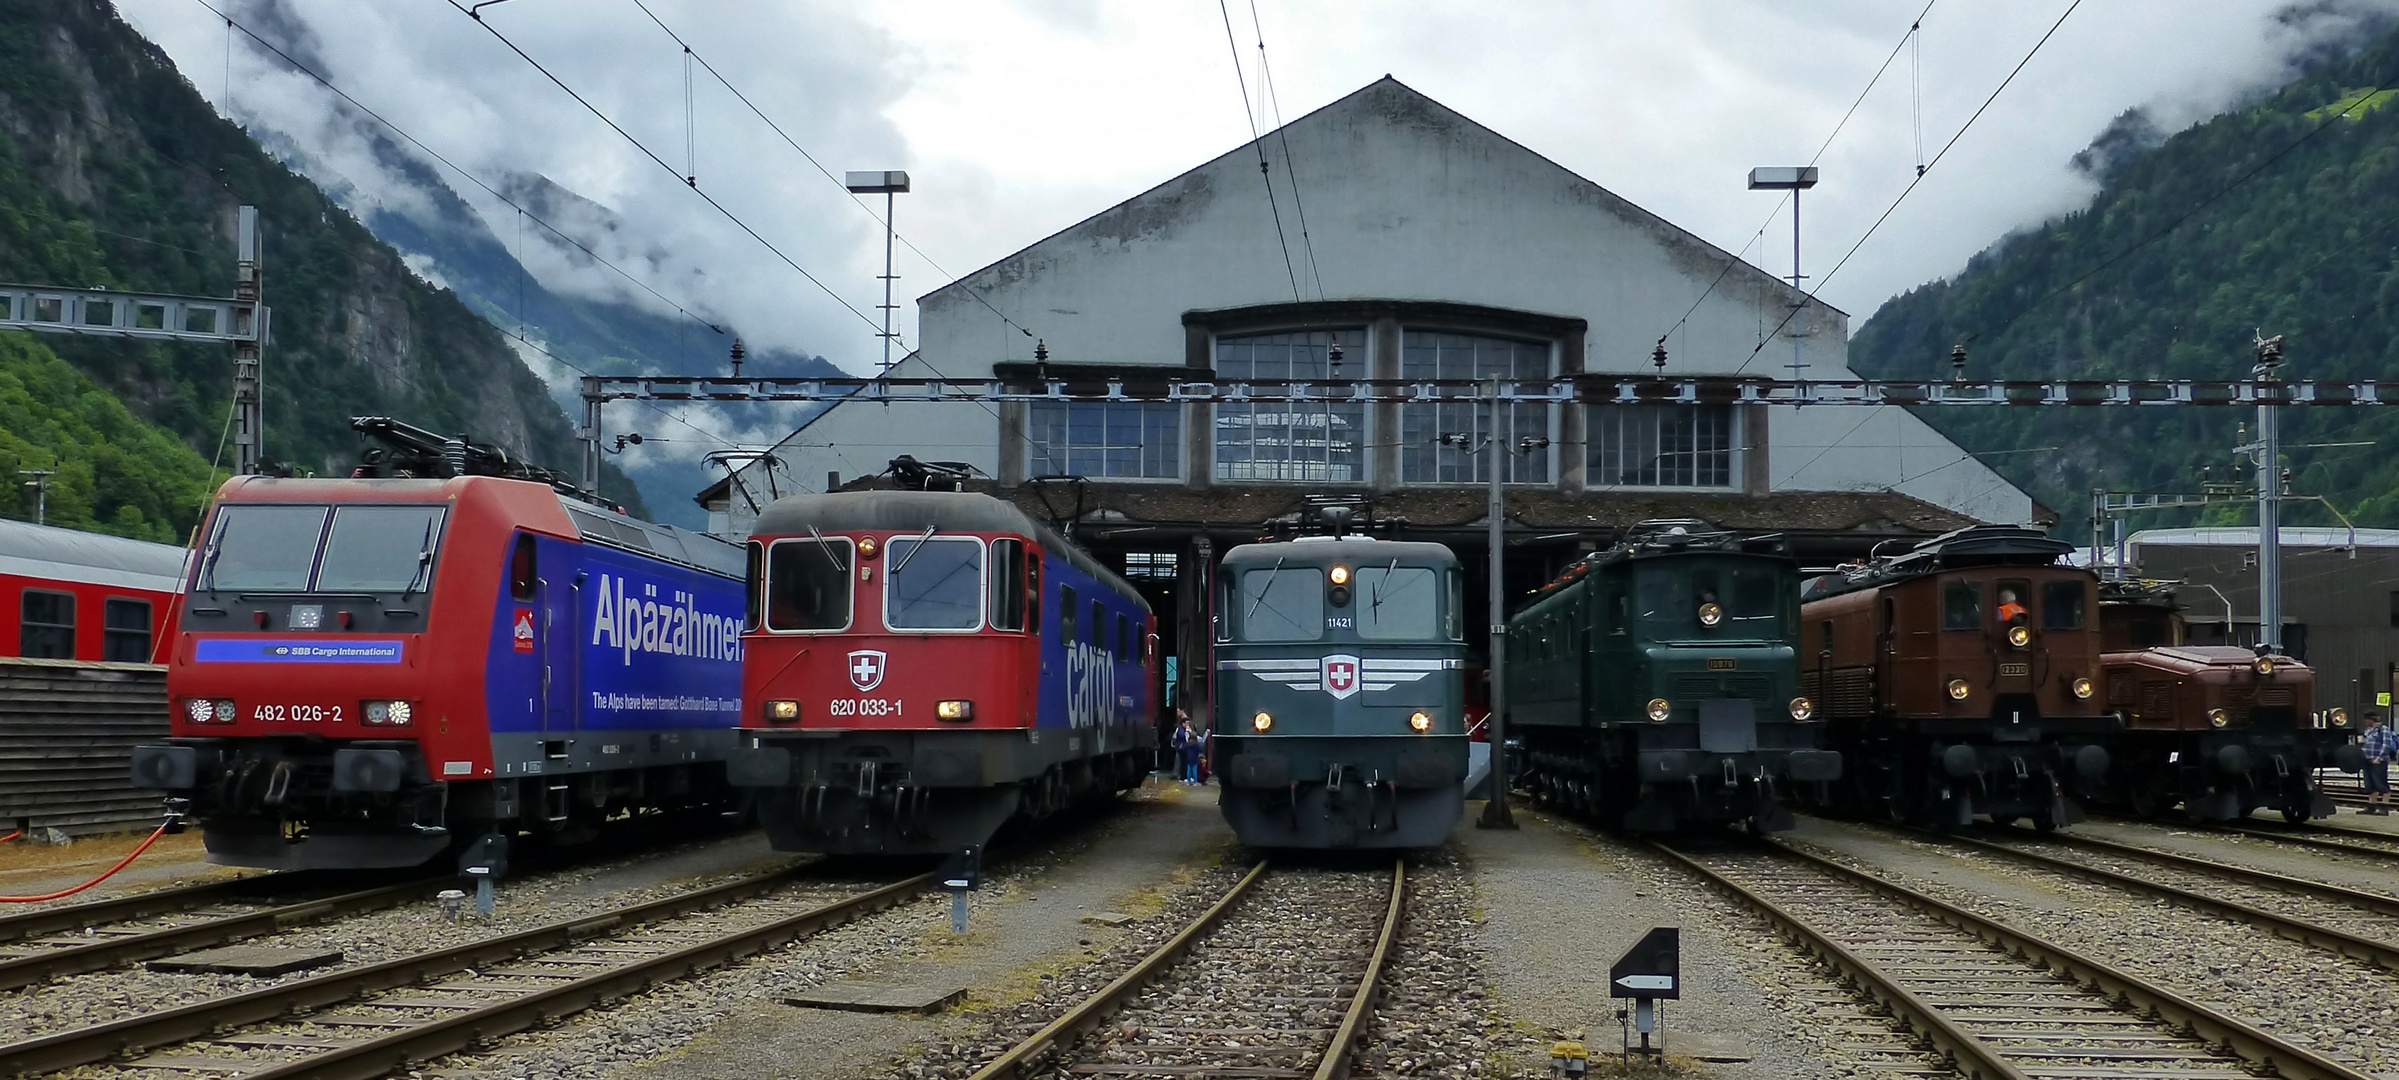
(114, 172)
(2290, 226)
(110, 472)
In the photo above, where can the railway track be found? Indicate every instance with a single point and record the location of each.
(42, 945)
(1997, 1002)
(367, 1021)
(2356, 923)
(1276, 979)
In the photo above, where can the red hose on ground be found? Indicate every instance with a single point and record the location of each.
(112, 872)
(12, 836)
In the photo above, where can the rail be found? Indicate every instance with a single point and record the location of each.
(1970, 1052)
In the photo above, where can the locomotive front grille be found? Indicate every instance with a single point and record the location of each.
(2276, 695)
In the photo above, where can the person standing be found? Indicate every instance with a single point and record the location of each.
(1187, 747)
(2380, 745)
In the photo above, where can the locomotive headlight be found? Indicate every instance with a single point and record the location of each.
(1802, 708)
(226, 711)
(202, 711)
(783, 712)
(389, 713)
(2265, 665)
(1420, 721)
(2218, 718)
(953, 710)
(1263, 722)
(2082, 688)
(1711, 614)
(866, 547)
(1659, 710)
(1339, 575)
(1958, 689)
(2019, 636)
(2339, 717)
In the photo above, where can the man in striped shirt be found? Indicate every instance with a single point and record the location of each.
(2380, 746)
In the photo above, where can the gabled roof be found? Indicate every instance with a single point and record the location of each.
(1390, 101)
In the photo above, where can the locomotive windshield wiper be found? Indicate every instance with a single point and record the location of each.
(424, 559)
(827, 545)
(1377, 609)
(1262, 590)
(919, 546)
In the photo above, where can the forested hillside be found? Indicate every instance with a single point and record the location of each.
(2289, 214)
(115, 173)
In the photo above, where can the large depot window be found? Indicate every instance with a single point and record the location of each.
(1660, 446)
(1121, 440)
(1432, 355)
(1307, 442)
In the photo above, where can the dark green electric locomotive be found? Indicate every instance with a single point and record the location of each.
(1340, 693)
(1655, 685)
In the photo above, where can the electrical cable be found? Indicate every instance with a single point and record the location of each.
(820, 167)
(1250, 114)
(1920, 175)
(720, 208)
(2186, 216)
(495, 193)
(111, 872)
(1913, 29)
(1283, 136)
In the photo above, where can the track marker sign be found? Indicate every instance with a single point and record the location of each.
(1651, 969)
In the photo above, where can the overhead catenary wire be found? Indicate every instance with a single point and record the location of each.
(478, 181)
(1307, 244)
(1250, 114)
(862, 204)
(1914, 29)
(1919, 178)
(2184, 217)
(662, 163)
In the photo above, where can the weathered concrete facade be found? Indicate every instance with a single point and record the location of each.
(1425, 227)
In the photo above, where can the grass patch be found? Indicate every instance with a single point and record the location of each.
(2359, 102)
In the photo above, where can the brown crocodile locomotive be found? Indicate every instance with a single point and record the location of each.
(1960, 678)
(2219, 730)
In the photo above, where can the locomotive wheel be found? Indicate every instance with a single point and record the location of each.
(2296, 815)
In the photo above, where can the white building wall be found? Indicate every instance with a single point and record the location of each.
(1405, 200)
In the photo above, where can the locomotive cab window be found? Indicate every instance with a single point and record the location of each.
(125, 636)
(1757, 601)
(374, 549)
(262, 548)
(1099, 625)
(1007, 584)
(1066, 615)
(46, 625)
(808, 584)
(934, 584)
(1962, 605)
(2015, 602)
(2062, 605)
(522, 569)
(1453, 620)
(1124, 639)
(1401, 603)
(1283, 603)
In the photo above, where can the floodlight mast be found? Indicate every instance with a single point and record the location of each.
(1793, 179)
(887, 183)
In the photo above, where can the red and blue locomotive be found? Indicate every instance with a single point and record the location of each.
(924, 667)
(368, 670)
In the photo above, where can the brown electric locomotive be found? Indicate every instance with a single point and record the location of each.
(2219, 730)
(1960, 678)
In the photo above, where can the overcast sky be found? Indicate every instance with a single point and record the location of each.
(1017, 119)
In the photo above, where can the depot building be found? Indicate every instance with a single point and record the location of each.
(1436, 249)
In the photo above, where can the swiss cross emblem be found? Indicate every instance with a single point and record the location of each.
(866, 669)
(1341, 675)
(524, 630)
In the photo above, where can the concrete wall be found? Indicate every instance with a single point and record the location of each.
(1405, 201)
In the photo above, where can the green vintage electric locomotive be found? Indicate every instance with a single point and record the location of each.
(1340, 693)
(1655, 685)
